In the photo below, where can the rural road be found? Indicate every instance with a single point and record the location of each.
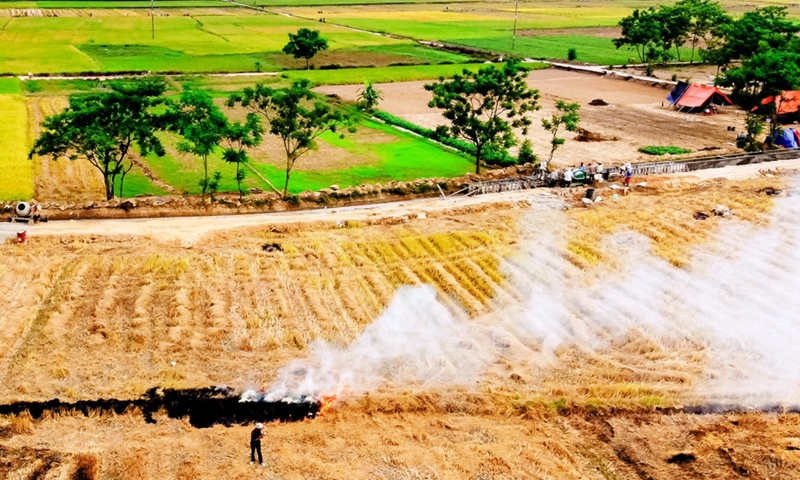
(189, 230)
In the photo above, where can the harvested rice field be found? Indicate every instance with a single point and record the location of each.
(549, 343)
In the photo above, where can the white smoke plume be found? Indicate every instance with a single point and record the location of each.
(738, 302)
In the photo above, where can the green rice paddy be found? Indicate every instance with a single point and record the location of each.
(402, 157)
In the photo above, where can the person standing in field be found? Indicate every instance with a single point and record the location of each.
(567, 177)
(255, 444)
(628, 175)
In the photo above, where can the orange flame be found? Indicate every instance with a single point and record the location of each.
(326, 404)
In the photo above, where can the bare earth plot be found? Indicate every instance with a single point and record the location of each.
(635, 116)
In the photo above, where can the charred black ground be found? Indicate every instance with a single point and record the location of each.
(204, 407)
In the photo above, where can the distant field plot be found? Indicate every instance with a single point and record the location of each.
(186, 44)
(16, 171)
(588, 48)
(375, 153)
(298, 3)
(160, 4)
(490, 27)
(222, 86)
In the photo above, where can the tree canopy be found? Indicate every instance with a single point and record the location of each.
(238, 138)
(484, 107)
(566, 115)
(655, 32)
(305, 44)
(295, 115)
(758, 31)
(105, 127)
(202, 125)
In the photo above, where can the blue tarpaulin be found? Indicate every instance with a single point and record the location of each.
(677, 92)
(786, 138)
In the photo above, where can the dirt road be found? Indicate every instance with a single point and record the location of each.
(189, 230)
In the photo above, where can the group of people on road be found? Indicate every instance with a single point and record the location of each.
(583, 174)
(590, 174)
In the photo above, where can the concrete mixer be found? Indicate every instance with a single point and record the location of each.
(25, 212)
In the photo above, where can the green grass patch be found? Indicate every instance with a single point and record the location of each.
(60, 86)
(407, 158)
(404, 157)
(184, 171)
(137, 183)
(10, 85)
(663, 150)
(16, 171)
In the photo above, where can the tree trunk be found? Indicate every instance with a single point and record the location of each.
(205, 177)
(289, 164)
(121, 183)
(307, 66)
(478, 160)
(109, 184)
(239, 182)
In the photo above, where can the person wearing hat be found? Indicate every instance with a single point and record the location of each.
(255, 444)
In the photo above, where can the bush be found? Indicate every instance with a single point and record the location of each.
(490, 156)
(572, 54)
(526, 154)
(667, 150)
(675, 77)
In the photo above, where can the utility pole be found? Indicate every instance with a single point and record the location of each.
(514, 36)
(152, 19)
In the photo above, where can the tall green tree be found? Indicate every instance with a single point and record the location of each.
(238, 138)
(764, 75)
(484, 107)
(704, 15)
(675, 23)
(295, 115)
(305, 44)
(642, 31)
(566, 115)
(202, 125)
(104, 128)
(758, 31)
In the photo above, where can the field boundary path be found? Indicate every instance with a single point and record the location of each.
(189, 230)
(597, 69)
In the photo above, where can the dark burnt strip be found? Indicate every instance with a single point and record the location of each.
(204, 407)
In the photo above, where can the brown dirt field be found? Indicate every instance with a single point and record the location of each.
(103, 315)
(635, 116)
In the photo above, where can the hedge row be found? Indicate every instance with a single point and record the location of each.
(490, 157)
